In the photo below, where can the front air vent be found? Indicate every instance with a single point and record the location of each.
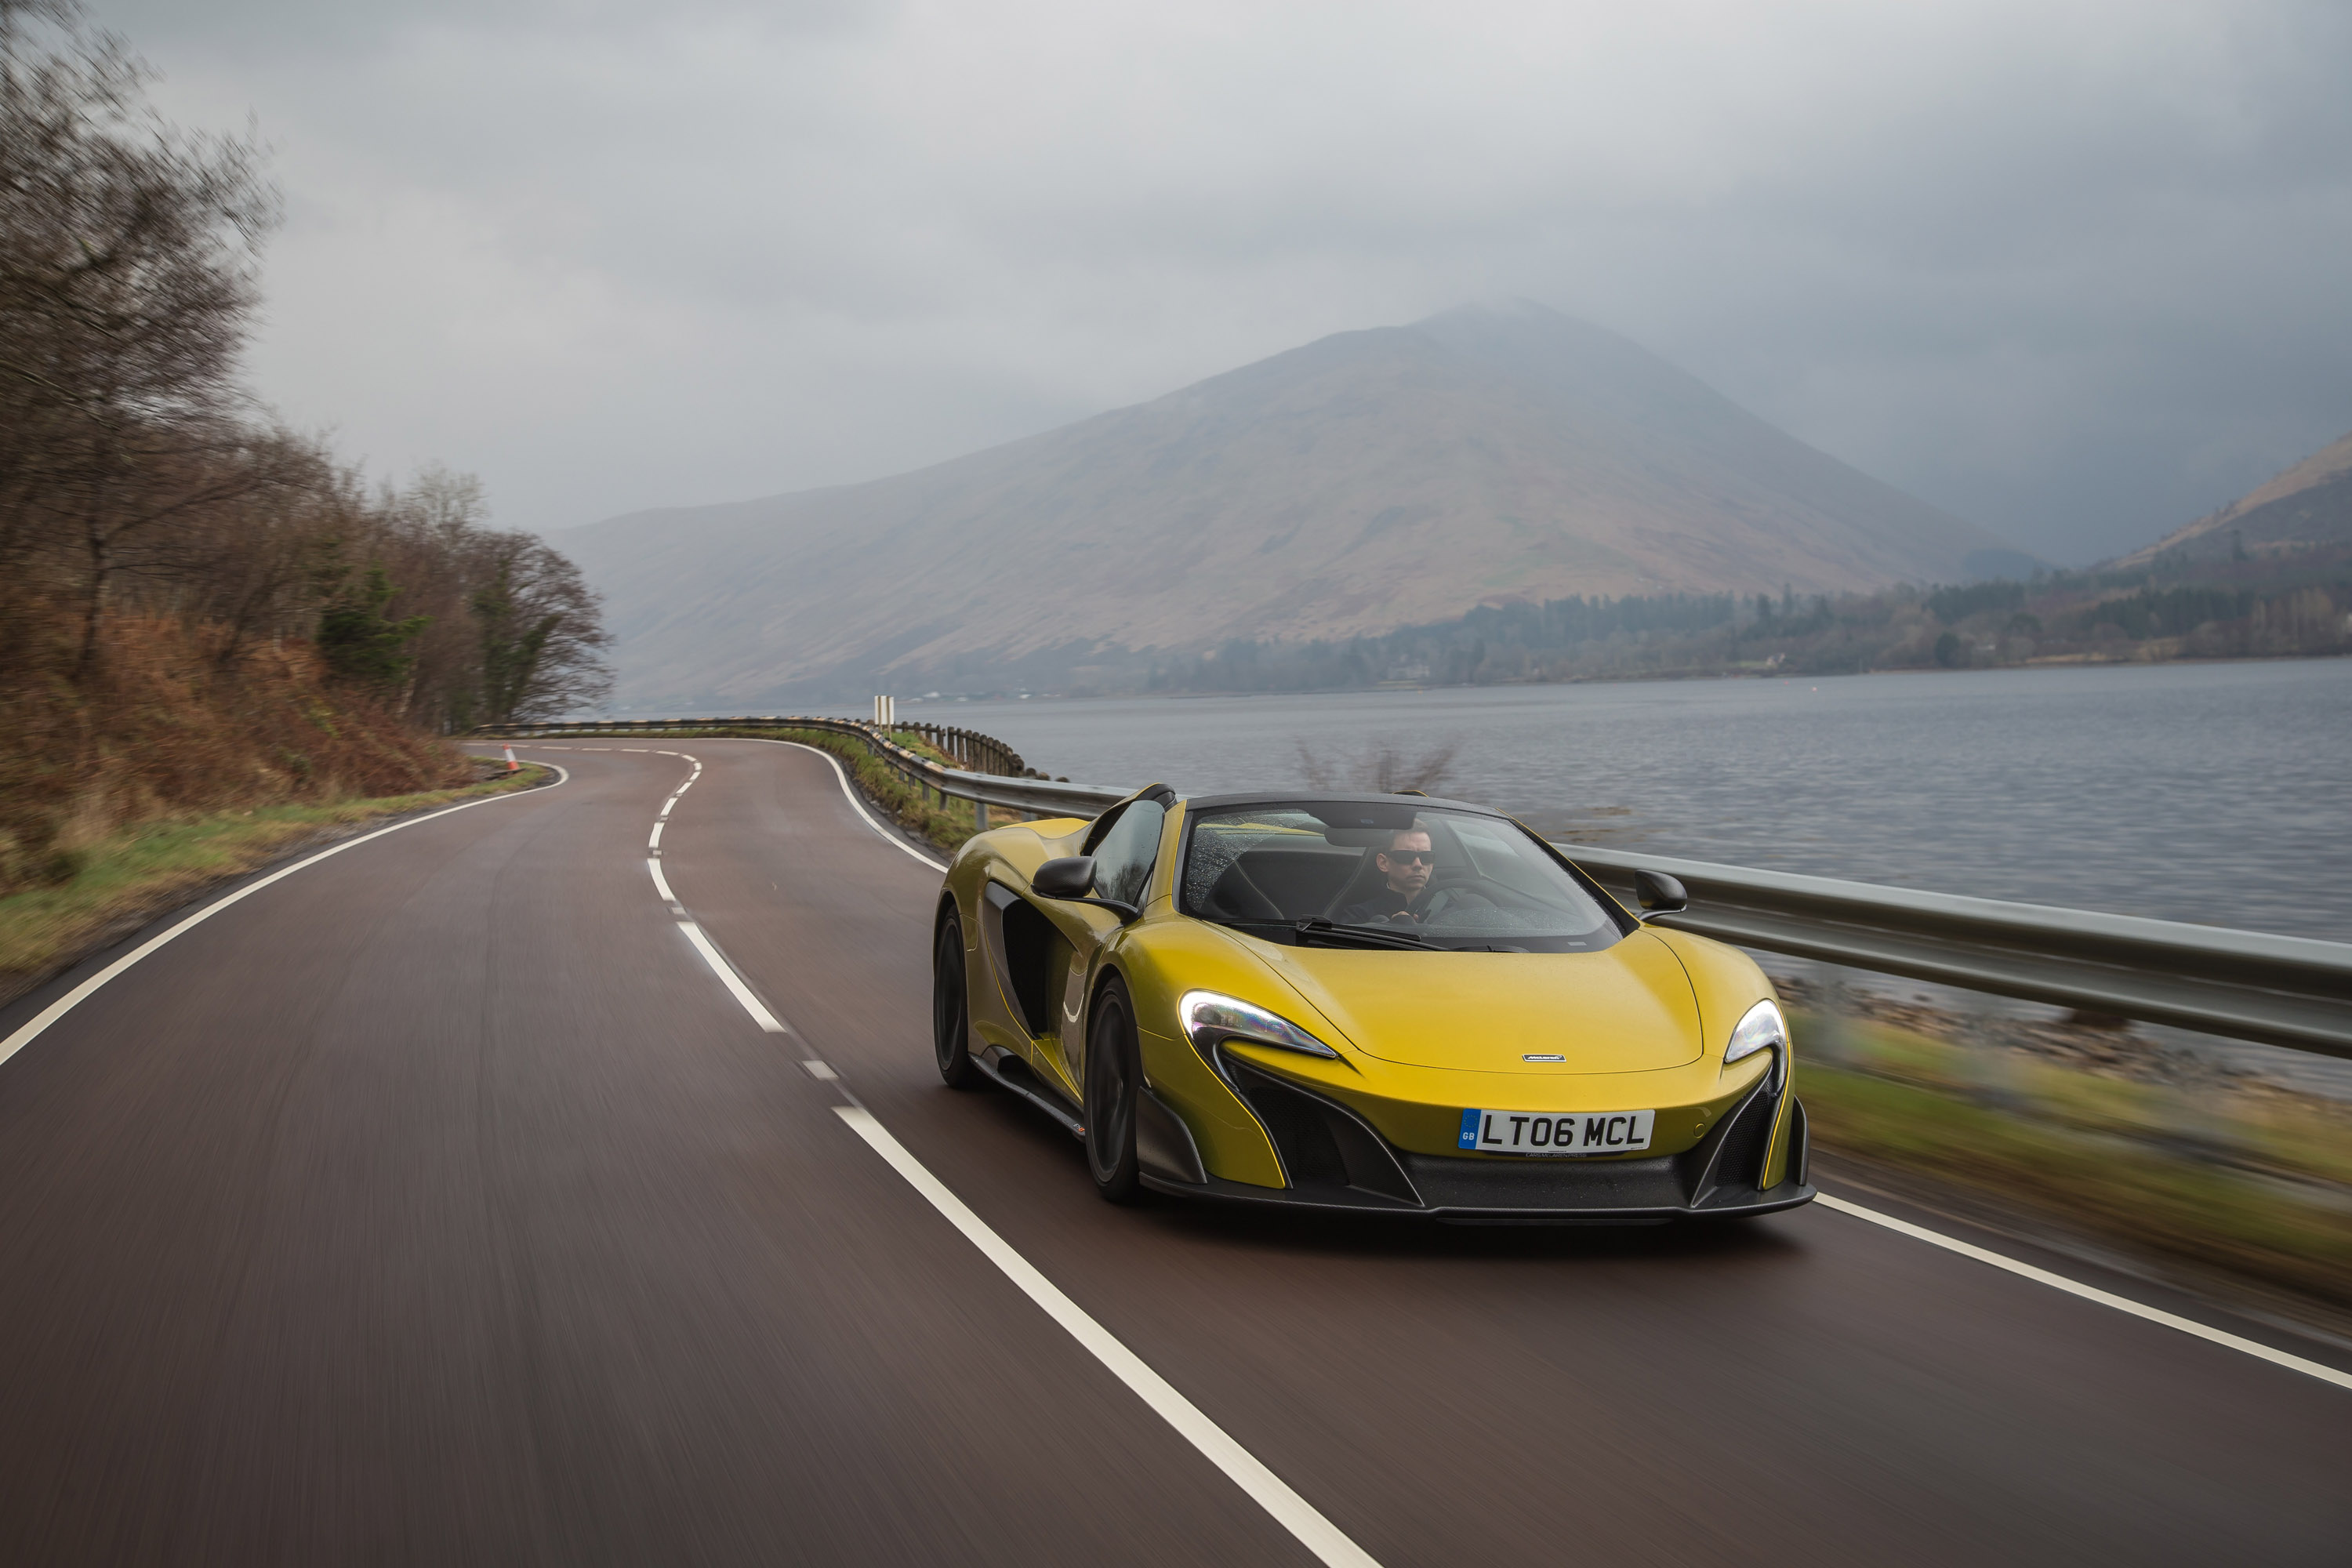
(1800, 1145)
(1324, 1146)
(1740, 1162)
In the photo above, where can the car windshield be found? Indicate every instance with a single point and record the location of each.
(1385, 875)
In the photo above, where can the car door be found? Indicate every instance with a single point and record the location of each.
(1125, 843)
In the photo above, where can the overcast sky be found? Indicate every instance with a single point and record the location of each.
(2075, 269)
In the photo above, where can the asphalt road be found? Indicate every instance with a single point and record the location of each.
(438, 1205)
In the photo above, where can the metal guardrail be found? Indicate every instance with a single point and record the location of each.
(2283, 991)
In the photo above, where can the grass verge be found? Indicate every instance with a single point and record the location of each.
(2247, 1182)
(134, 873)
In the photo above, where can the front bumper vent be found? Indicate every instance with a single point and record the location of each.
(1331, 1155)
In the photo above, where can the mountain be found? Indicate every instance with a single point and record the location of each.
(2308, 506)
(1365, 481)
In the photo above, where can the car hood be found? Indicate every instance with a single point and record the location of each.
(1627, 1008)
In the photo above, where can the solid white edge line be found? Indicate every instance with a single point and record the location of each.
(2091, 1293)
(1268, 1490)
(732, 981)
(66, 1003)
(852, 794)
(661, 883)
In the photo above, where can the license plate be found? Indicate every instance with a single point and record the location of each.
(1577, 1133)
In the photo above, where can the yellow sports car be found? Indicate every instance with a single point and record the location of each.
(1375, 1002)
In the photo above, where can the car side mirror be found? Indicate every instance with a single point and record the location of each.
(1660, 894)
(1071, 877)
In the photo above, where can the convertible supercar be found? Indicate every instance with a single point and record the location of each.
(1374, 1003)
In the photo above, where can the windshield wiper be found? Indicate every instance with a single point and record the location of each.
(1318, 929)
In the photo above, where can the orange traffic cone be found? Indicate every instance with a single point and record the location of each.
(513, 766)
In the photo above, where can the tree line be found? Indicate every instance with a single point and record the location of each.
(2295, 605)
(139, 480)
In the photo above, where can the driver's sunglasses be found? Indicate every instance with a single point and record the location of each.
(1418, 856)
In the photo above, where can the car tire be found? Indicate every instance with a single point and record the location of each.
(951, 1012)
(1114, 1080)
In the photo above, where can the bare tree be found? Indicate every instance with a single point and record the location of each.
(541, 633)
(136, 475)
(127, 279)
(510, 629)
(1381, 768)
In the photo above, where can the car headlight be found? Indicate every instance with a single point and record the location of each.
(1763, 1028)
(1210, 1016)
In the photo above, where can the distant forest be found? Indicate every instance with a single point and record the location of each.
(2295, 605)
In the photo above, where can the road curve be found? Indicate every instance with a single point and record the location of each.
(438, 1204)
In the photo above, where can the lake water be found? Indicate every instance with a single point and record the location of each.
(2214, 793)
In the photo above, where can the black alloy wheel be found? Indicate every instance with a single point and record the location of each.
(951, 1019)
(1114, 1078)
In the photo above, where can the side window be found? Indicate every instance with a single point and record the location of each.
(1124, 856)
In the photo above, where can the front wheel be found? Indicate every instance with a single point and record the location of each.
(950, 1018)
(1114, 1078)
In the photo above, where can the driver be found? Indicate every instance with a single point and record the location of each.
(1405, 898)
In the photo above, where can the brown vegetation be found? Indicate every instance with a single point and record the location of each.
(200, 610)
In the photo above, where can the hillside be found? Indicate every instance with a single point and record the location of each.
(1366, 481)
(2307, 507)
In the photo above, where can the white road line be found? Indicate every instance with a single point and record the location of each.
(732, 981)
(1067, 1313)
(655, 842)
(639, 750)
(820, 1071)
(66, 1003)
(859, 804)
(666, 805)
(1292, 1512)
(661, 883)
(2090, 1293)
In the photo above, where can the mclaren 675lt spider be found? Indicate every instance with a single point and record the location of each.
(1382, 1003)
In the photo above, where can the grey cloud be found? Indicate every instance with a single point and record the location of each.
(2070, 270)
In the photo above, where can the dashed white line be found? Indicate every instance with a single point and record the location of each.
(655, 842)
(2025, 1270)
(733, 982)
(2091, 1293)
(1292, 1512)
(1268, 1490)
(66, 1003)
